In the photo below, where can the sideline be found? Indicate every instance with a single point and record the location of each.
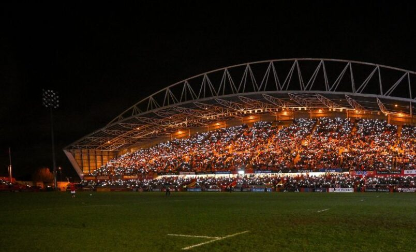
(54, 208)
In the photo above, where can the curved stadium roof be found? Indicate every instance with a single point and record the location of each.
(259, 87)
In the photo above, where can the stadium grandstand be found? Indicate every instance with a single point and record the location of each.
(269, 117)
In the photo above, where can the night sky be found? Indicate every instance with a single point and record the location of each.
(102, 59)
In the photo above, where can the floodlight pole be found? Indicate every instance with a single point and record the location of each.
(53, 152)
(10, 166)
(51, 101)
(60, 173)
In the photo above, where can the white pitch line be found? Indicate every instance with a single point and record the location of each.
(217, 239)
(195, 236)
(231, 235)
(200, 244)
(323, 210)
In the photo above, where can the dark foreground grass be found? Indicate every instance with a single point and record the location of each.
(141, 221)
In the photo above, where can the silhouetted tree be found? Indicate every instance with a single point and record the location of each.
(43, 175)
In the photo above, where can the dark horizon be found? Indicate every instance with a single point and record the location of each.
(102, 60)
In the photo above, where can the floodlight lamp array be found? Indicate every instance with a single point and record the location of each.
(50, 99)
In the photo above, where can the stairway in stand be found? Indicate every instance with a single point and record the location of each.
(399, 130)
(354, 127)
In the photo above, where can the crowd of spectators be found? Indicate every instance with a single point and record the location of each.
(306, 145)
(277, 182)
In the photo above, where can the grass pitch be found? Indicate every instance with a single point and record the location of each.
(142, 221)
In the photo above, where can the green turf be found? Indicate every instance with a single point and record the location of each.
(141, 221)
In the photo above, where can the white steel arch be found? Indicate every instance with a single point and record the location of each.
(262, 86)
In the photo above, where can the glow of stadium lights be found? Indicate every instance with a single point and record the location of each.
(395, 105)
(320, 110)
(251, 117)
(400, 114)
(217, 124)
(180, 132)
(108, 142)
(138, 128)
(284, 113)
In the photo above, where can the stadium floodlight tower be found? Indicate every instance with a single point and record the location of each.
(51, 101)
